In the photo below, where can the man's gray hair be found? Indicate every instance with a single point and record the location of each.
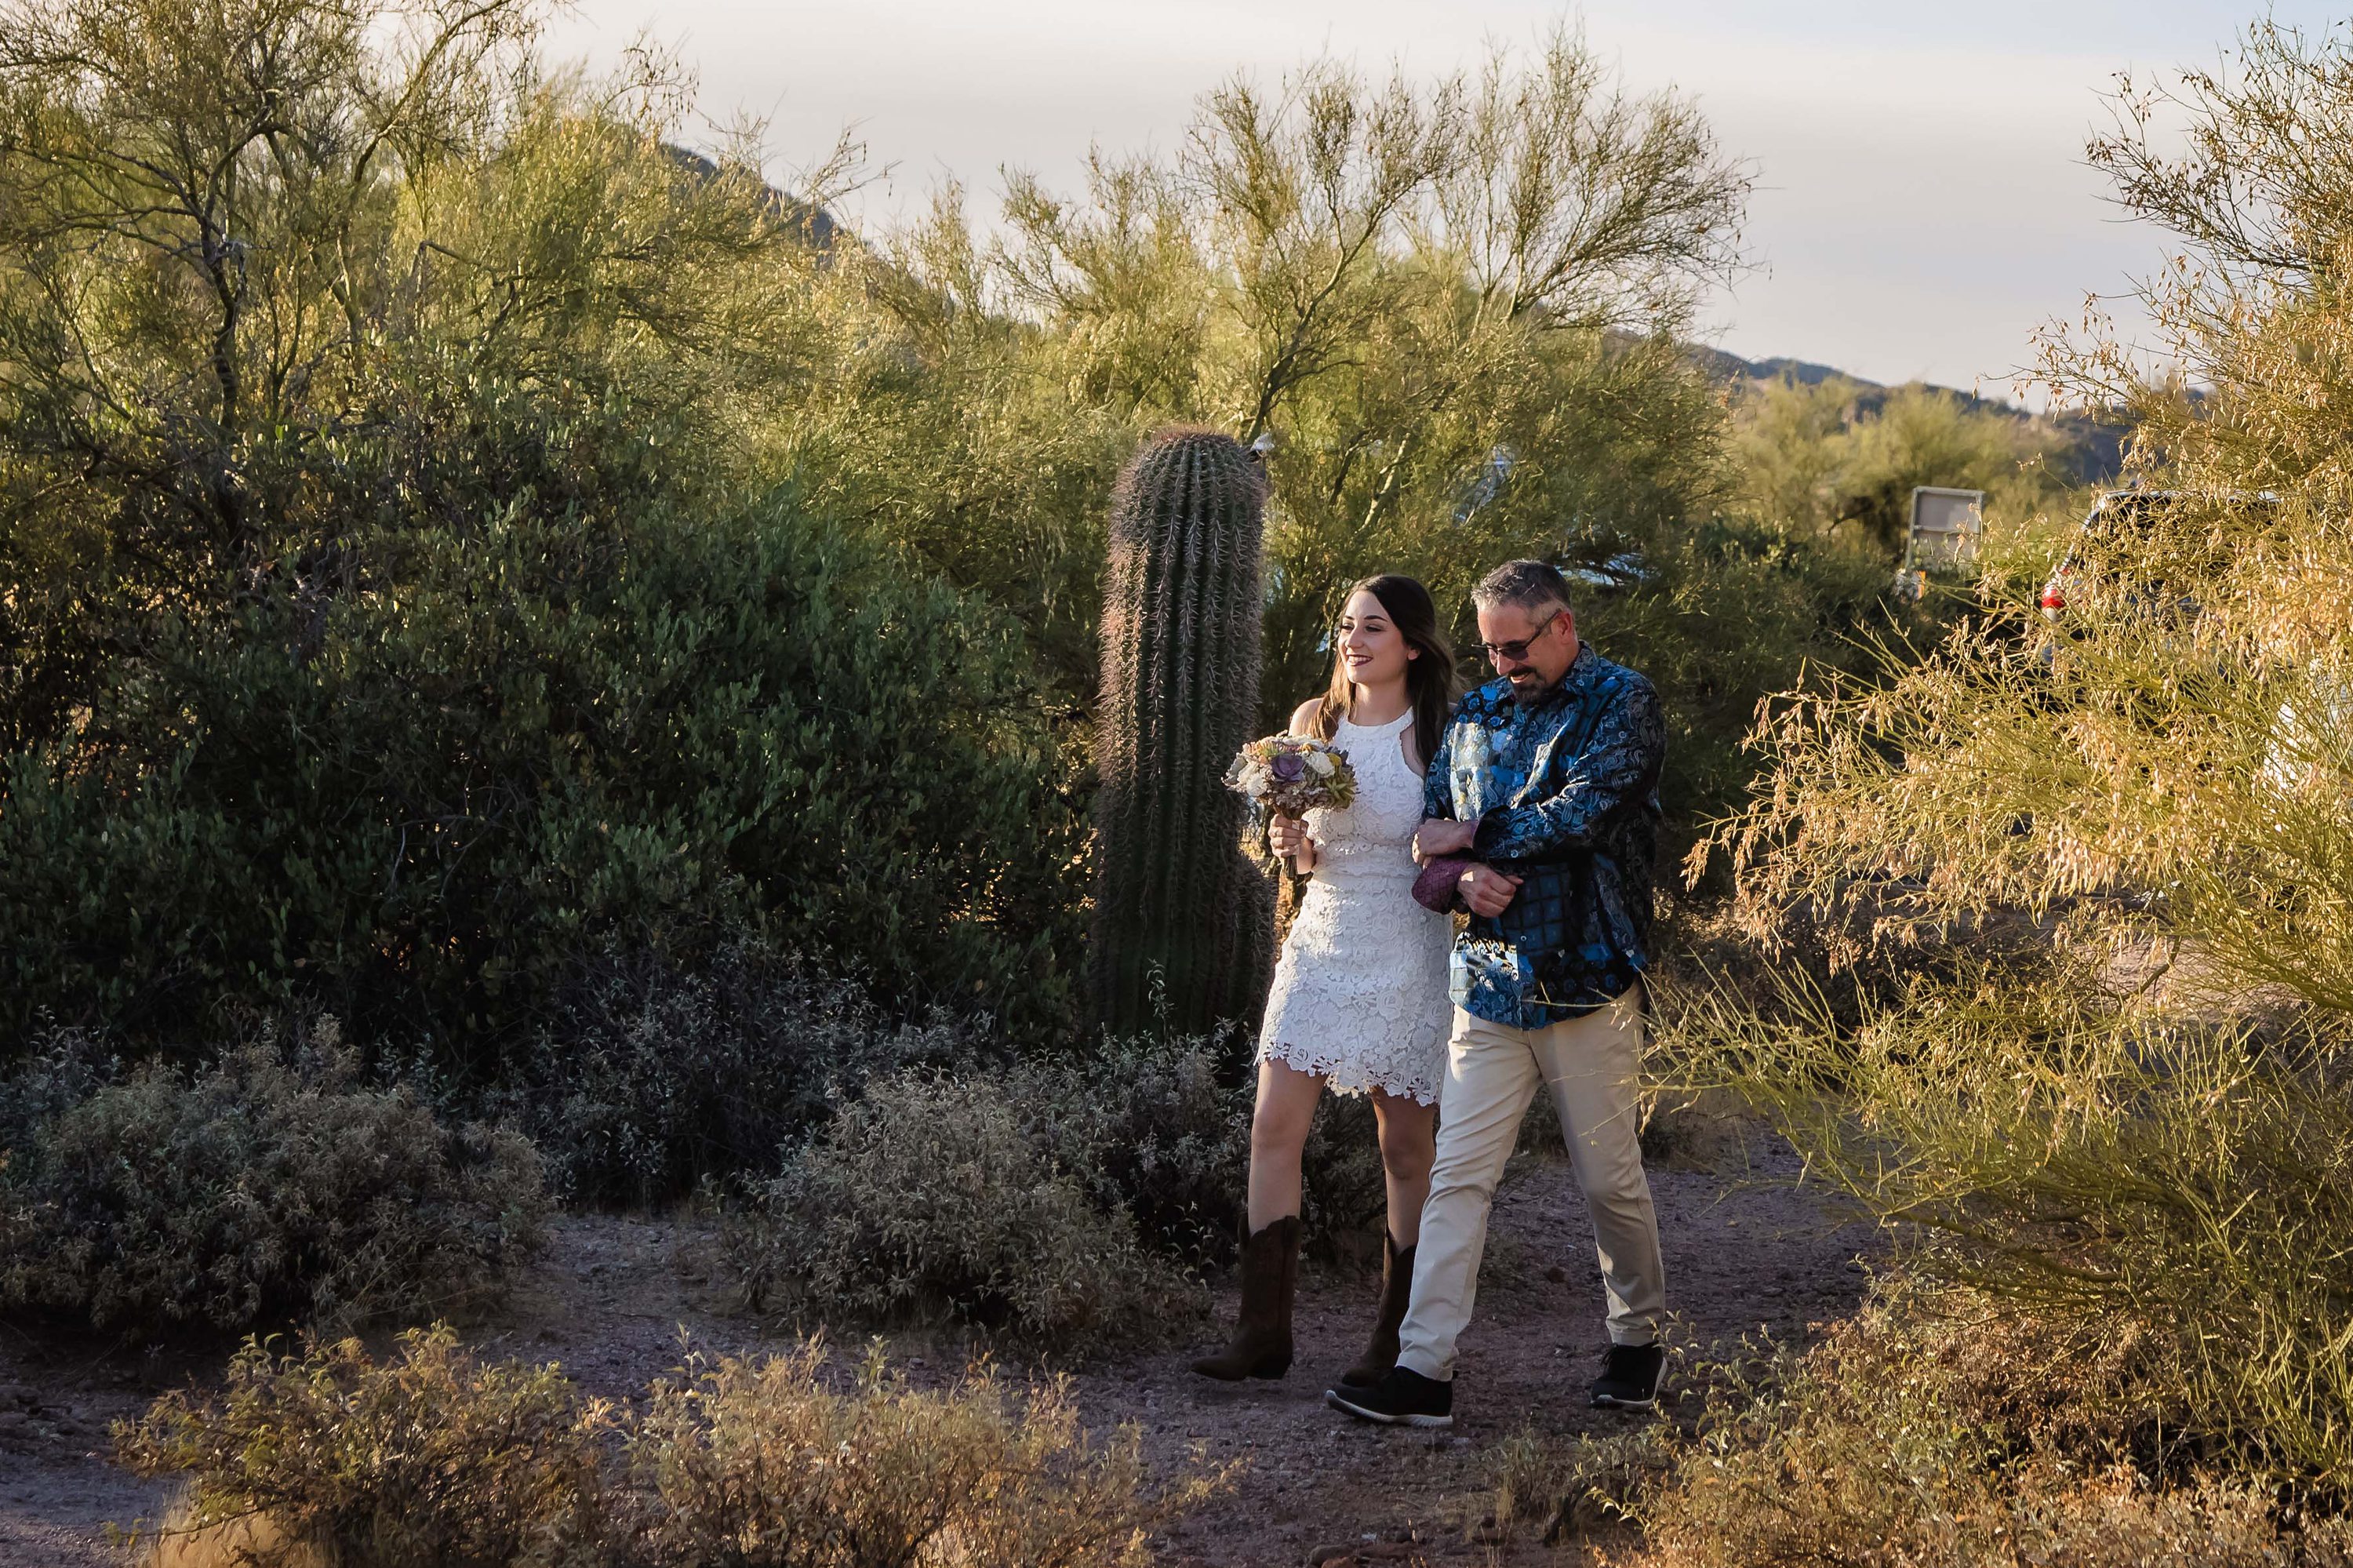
(1532, 586)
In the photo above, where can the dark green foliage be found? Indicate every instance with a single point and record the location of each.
(1153, 1126)
(399, 608)
(249, 1193)
(651, 1078)
(1726, 612)
(1182, 918)
(423, 786)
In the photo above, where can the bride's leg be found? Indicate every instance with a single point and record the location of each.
(1286, 1108)
(1408, 1144)
(1260, 1346)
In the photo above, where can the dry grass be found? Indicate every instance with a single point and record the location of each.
(761, 1463)
(233, 1544)
(333, 1460)
(1938, 1428)
(2174, 1179)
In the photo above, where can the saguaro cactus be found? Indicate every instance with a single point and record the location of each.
(1177, 904)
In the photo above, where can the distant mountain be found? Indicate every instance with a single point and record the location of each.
(816, 226)
(1724, 367)
(2096, 447)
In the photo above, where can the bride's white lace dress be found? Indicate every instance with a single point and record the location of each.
(1359, 993)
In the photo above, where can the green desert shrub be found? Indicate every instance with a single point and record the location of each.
(2179, 1176)
(2145, 1128)
(1725, 613)
(191, 421)
(1069, 1200)
(650, 1079)
(409, 634)
(251, 1191)
(929, 1199)
(1837, 460)
(530, 741)
(432, 1456)
(1149, 1126)
(1152, 1125)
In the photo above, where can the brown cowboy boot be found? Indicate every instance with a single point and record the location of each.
(1397, 1289)
(1261, 1343)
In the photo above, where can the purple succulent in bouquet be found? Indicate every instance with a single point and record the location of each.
(1293, 775)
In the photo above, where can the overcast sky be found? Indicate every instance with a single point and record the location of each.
(1922, 201)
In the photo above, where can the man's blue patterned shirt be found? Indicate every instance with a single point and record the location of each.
(1566, 794)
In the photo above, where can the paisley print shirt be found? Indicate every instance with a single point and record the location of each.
(1566, 794)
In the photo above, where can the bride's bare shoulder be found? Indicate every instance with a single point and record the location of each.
(1303, 718)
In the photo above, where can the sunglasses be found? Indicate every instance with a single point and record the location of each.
(1517, 653)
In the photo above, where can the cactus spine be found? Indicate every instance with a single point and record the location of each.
(1176, 898)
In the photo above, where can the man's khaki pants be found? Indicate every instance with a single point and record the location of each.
(1491, 1073)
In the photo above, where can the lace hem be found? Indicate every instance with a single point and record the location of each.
(1346, 1072)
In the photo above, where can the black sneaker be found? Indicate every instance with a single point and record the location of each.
(1403, 1398)
(1629, 1377)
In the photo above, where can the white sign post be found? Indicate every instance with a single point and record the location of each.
(1946, 527)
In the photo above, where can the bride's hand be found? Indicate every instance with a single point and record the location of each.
(1287, 837)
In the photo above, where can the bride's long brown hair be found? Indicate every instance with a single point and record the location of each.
(1428, 680)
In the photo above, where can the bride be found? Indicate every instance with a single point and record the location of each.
(1359, 1002)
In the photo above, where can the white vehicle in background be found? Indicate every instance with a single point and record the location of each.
(2116, 510)
(2115, 515)
(2307, 748)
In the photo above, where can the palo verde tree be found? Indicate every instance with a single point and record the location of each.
(400, 610)
(2143, 1122)
(1453, 305)
(243, 245)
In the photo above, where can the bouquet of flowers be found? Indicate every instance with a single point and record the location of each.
(1293, 775)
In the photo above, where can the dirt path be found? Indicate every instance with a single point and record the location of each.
(612, 1294)
(1739, 1259)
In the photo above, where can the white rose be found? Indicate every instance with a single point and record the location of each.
(1320, 763)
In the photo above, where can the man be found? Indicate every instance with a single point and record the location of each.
(1547, 788)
